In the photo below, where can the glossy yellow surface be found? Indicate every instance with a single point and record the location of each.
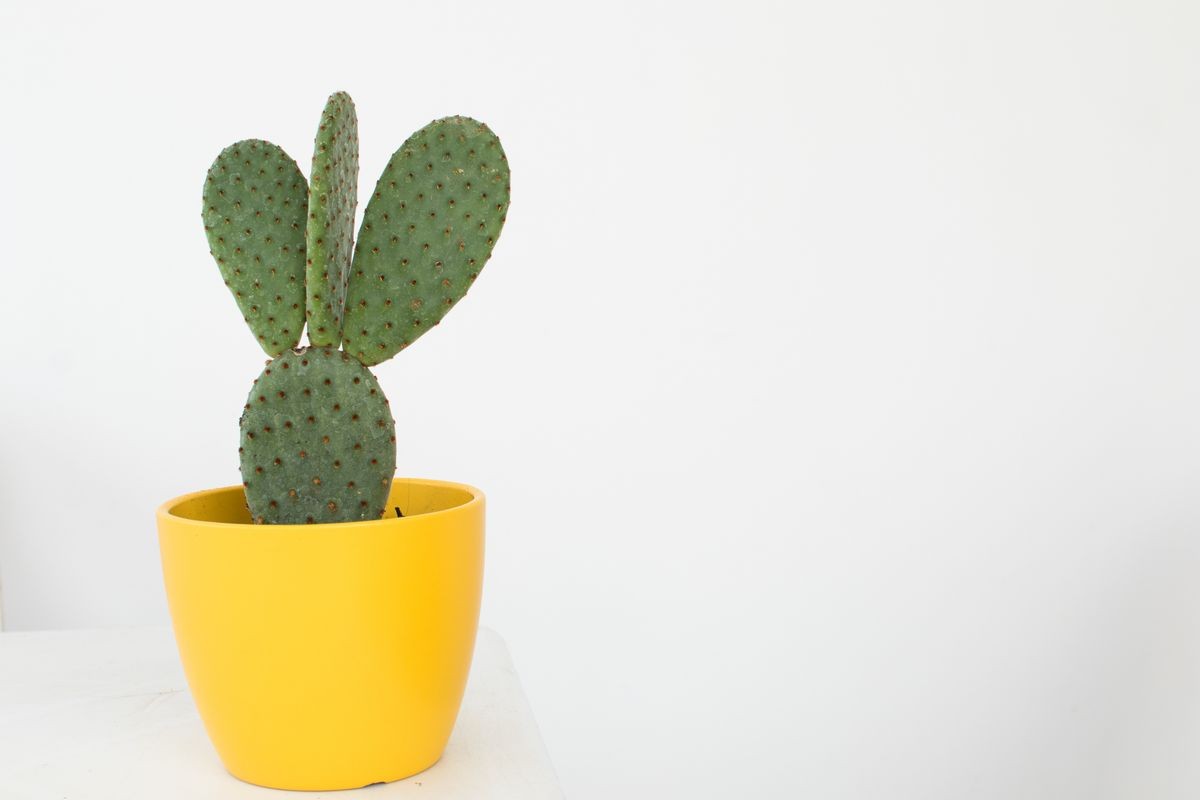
(326, 656)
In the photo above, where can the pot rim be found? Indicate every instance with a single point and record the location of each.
(166, 510)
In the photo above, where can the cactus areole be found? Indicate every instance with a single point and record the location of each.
(318, 440)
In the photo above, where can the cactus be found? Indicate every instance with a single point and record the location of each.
(428, 230)
(255, 205)
(332, 200)
(318, 440)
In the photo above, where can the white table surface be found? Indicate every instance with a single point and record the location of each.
(106, 715)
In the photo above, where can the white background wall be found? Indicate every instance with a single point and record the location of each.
(834, 383)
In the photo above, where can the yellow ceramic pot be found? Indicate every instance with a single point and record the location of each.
(326, 656)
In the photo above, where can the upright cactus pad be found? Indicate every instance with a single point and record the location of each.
(318, 440)
(428, 230)
(255, 209)
(332, 201)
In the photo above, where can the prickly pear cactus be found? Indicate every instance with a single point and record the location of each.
(255, 204)
(318, 440)
(428, 230)
(332, 200)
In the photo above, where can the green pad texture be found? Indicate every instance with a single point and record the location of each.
(318, 440)
(427, 232)
(255, 205)
(332, 201)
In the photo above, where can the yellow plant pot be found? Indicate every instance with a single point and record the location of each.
(326, 656)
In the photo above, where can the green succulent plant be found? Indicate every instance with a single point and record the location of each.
(318, 438)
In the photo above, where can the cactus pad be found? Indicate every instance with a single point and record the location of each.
(427, 232)
(332, 201)
(255, 209)
(318, 440)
